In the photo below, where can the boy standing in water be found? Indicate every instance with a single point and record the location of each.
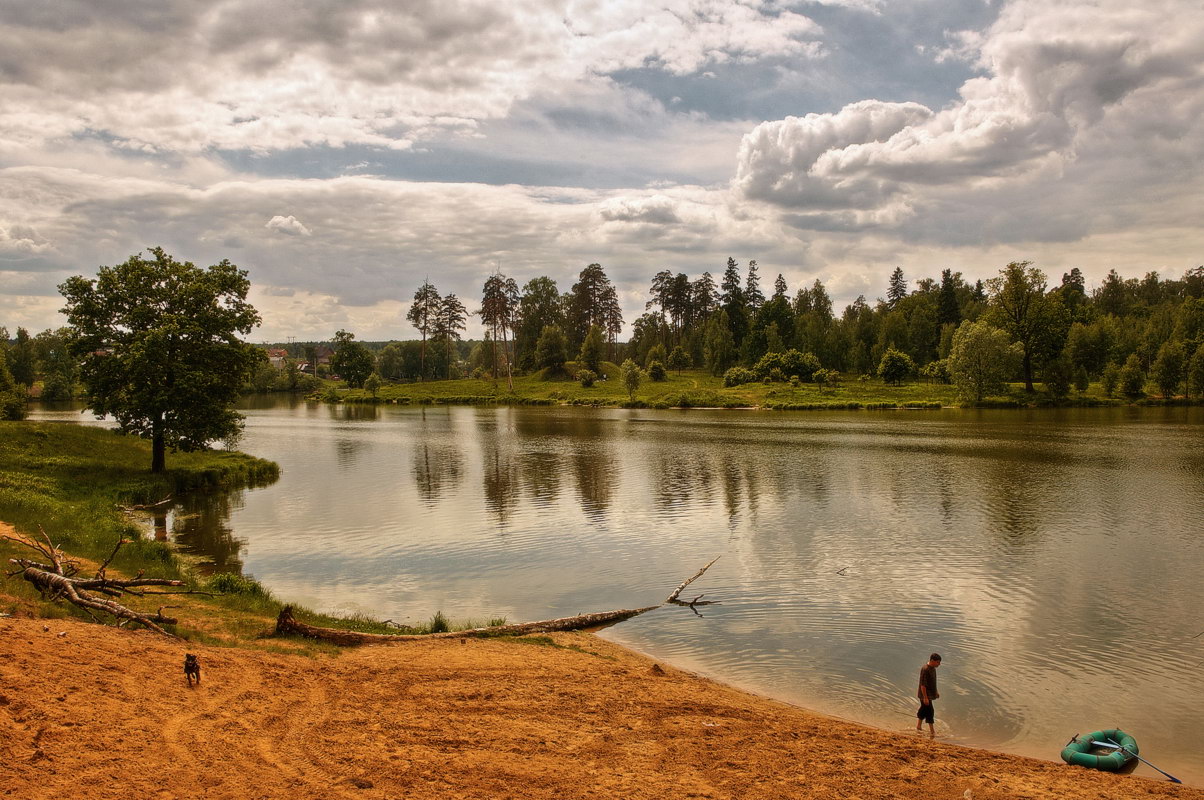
(927, 693)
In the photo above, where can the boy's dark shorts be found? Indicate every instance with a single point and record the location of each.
(926, 713)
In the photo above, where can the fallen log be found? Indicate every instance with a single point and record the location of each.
(287, 623)
(57, 580)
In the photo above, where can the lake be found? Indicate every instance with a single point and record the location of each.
(1053, 557)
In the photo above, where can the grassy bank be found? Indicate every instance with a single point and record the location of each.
(72, 481)
(698, 389)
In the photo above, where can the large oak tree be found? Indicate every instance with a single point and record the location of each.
(159, 348)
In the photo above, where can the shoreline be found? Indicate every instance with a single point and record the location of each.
(565, 715)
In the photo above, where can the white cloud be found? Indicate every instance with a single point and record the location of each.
(1073, 95)
(243, 74)
(289, 226)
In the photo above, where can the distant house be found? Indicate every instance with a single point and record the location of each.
(277, 357)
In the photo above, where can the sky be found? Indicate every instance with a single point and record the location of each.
(342, 151)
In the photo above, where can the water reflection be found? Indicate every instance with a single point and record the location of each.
(201, 528)
(1042, 553)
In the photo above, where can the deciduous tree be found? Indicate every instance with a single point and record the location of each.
(160, 350)
(981, 360)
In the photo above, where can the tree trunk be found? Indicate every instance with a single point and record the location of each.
(422, 359)
(1028, 371)
(287, 623)
(158, 447)
(506, 355)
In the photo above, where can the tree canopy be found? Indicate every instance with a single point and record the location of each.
(160, 350)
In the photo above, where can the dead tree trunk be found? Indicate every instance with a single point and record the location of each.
(57, 580)
(287, 623)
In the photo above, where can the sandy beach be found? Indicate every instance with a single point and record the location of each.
(91, 711)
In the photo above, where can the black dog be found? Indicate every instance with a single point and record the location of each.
(192, 668)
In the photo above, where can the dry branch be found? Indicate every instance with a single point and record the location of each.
(57, 581)
(697, 601)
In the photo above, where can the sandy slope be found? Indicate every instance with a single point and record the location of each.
(95, 712)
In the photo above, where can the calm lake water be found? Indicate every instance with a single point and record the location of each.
(1054, 558)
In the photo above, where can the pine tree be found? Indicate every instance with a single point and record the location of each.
(754, 298)
(897, 289)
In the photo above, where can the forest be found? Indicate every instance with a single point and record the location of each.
(1133, 335)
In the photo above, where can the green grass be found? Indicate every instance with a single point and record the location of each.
(696, 388)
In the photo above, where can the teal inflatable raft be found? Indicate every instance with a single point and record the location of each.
(1083, 751)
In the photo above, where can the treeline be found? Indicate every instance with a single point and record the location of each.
(1130, 334)
(1147, 331)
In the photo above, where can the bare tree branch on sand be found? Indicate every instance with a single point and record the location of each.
(55, 576)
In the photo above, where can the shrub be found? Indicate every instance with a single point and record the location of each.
(936, 371)
(655, 353)
(587, 377)
(439, 623)
(826, 377)
(803, 365)
(1081, 380)
(1132, 379)
(895, 366)
(656, 371)
(1058, 376)
(768, 363)
(1110, 379)
(679, 359)
(737, 376)
(230, 583)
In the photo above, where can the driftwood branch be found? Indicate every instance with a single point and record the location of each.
(56, 581)
(287, 623)
(697, 601)
(147, 507)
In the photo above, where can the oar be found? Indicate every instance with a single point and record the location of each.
(1113, 745)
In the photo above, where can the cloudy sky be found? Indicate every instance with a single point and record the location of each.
(343, 150)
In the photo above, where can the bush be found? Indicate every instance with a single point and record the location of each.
(768, 363)
(656, 371)
(937, 371)
(895, 366)
(1081, 380)
(1132, 379)
(230, 583)
(826, 377)
(803, 365)
(1110, 379)
(737, 376)
(655, 353)
(1058, 376)
(679, 359)
(587, 377)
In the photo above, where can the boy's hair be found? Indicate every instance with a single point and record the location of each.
(934, 657)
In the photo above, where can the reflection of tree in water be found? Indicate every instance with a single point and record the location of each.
(540, 474)
(501, 481)
(498, 457)
(679, 476)
(200, 527)
(437, 468)
(354, 412)
(347, 450)
(595, 470)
